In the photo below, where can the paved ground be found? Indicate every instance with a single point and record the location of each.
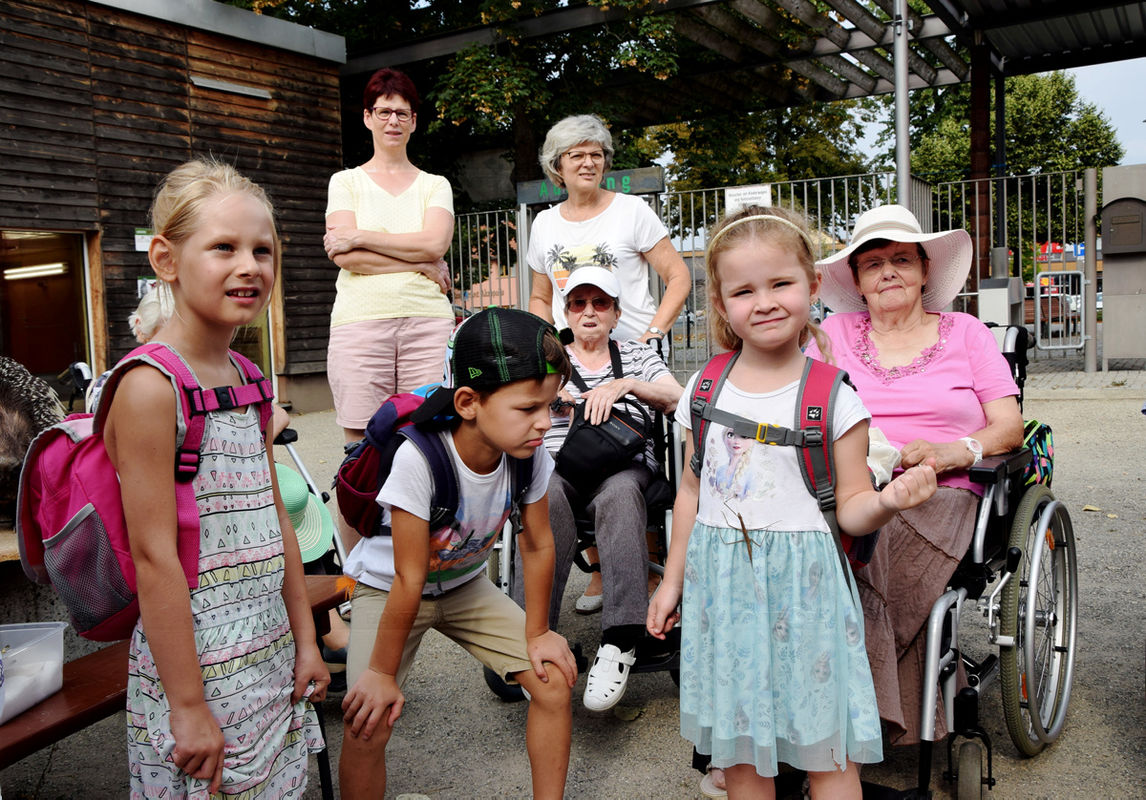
(457, 741)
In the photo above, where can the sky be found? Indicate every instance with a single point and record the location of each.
(1116, 88)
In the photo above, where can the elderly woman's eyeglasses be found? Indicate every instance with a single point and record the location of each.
(577, 305)
(383, 114)
(579, 156)
(898, 261)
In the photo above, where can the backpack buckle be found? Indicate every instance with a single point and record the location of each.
(186, 465)
(813, 437)
(224, 398)
(762, 433)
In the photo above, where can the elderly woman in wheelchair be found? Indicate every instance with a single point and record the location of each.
(610, 500)
(937, 386)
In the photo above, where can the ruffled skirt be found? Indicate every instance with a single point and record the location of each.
(773, 666)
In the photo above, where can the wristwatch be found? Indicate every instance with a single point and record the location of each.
(975, 447)
(655, 331)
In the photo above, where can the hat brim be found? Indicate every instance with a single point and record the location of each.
(314, 529)
(440, 403)
(600, 277)
(949, 254)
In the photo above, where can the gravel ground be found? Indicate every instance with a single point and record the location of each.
(456, 740)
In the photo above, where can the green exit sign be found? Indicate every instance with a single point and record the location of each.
(647, 180)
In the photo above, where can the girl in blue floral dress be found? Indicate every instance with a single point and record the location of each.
(220, 674)
(773, 667)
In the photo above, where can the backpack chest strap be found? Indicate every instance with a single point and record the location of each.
(225, 398)
(762, 432)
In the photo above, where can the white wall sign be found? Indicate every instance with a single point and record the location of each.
(737, 197)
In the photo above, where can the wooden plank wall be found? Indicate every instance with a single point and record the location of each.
(96, 105)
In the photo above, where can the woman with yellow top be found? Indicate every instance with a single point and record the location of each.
(388, 224)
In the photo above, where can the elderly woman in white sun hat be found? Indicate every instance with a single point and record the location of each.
(938, 387)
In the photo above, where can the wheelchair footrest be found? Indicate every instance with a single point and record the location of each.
(654, 655)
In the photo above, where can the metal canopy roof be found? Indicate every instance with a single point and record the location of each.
(759, 54)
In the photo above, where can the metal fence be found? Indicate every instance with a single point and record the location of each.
(1039, 220)
(1039, 217)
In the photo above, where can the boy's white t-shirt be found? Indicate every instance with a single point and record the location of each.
(762, 483)
(456, 556)
(615, 240)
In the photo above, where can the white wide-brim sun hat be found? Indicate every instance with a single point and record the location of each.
(949, 254)
(313, 525)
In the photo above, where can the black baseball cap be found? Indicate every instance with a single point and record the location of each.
(494, 347)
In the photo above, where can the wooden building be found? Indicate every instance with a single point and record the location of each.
(98, 100)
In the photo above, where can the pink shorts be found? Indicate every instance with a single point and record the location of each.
(368, 361)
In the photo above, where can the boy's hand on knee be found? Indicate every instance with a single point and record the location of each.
(552, 647)
(375, 698)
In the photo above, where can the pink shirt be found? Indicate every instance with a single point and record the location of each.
(939, 396)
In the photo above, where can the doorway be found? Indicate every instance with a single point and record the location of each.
(43, 315)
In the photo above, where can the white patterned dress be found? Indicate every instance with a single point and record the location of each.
(242, 634)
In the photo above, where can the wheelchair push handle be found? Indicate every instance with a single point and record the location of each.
(1014, 556)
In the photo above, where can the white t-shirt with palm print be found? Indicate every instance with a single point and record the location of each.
(615, 240)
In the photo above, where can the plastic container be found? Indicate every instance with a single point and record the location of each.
(33, 657)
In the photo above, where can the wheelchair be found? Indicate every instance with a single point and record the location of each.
(1024, 545)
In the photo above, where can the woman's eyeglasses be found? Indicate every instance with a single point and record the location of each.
(578, 156)
(578, 304)
(901, 261)
(383, 114)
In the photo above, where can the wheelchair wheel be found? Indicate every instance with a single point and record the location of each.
(1040, 610)
(508, 692)
(970, 777)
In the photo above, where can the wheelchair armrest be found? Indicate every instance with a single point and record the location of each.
(287, 436)
(993, 469)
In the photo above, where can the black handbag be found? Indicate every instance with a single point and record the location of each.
(591, 453)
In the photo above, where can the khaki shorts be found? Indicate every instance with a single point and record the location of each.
(487, 623)
(368, 361)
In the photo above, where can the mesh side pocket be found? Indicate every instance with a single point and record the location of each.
(84, 570)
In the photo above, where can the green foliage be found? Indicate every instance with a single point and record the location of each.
(784, 144)
(1048, 129)
(486, 89)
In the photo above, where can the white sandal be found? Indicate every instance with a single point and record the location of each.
(608, 677)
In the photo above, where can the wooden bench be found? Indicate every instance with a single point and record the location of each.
(95, 686)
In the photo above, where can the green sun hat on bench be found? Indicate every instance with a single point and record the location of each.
(312, 522)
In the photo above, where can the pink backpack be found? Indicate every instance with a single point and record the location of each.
(69, 513)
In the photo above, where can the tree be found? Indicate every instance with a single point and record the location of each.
(1049, 128)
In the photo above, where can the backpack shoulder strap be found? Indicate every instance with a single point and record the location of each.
(520, 477)
(256, 390)
(444, 495)
(188, 437)
(815, 409)
(704, 393)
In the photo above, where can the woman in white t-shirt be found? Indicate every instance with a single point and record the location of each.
(596, 227)
(388, 224)
(600, 228)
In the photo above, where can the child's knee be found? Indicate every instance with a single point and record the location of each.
(554, 692)
(362, 750)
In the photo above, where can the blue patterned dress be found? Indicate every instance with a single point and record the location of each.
(773, 665)
(242, 634)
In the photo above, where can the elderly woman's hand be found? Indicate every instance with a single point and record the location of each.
(339, 240)
(947, 455)
(599, 401)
